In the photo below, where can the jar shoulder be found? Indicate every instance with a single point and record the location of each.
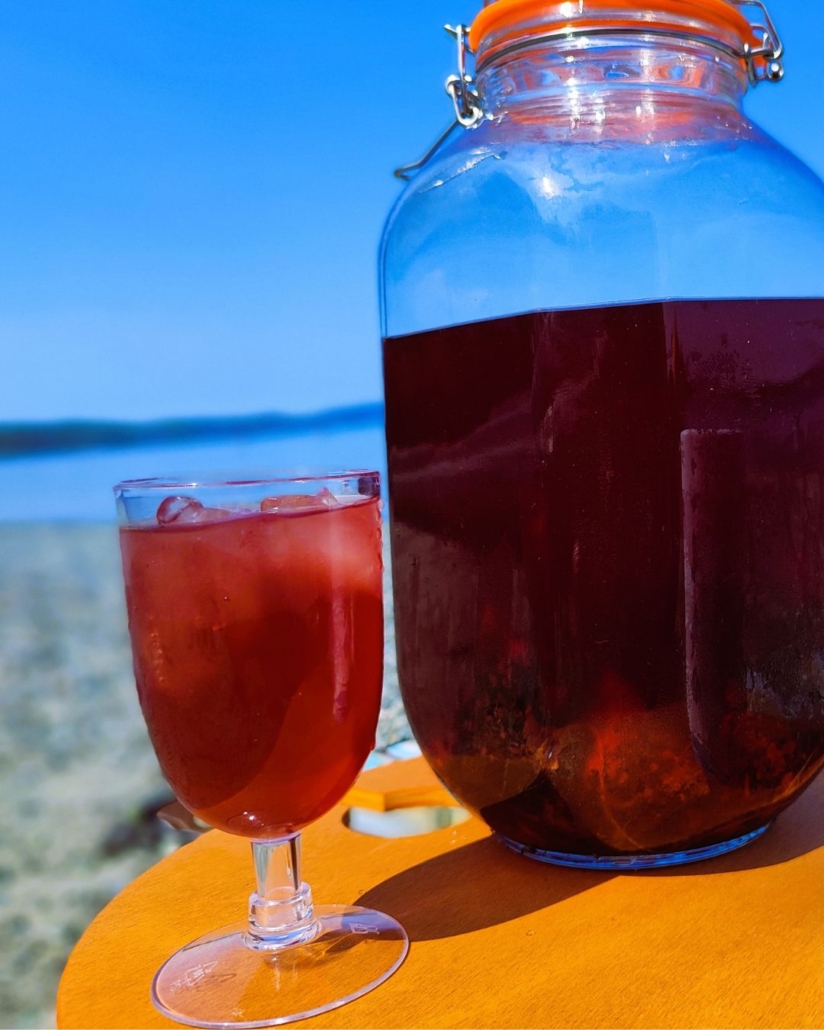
(499, 223)
(735, 166)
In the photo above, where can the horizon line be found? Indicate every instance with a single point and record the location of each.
(24, 439)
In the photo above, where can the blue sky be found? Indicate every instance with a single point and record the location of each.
(192, 193)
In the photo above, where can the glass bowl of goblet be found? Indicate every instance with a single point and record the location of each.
(256, 620)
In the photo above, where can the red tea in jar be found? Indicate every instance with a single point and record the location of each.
(608, 542)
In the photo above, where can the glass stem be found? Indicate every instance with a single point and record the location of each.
(280, 910)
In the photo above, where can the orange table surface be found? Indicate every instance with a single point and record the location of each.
(498, 940)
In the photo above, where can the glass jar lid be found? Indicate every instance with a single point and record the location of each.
(503, 26)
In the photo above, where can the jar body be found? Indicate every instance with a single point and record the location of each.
(604, 371)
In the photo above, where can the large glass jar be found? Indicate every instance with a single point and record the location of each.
(603, 312)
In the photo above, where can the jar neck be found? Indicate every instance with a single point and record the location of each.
(615, 86)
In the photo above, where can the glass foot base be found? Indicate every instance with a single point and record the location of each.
(634, 861)
(216, 981)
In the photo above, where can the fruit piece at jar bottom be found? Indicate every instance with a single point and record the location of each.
(624, 785)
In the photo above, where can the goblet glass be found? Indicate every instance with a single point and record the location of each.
(256, 621)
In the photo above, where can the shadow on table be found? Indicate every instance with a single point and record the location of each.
(483, 883)
(475, 886)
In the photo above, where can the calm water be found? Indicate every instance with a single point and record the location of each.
(78, 486)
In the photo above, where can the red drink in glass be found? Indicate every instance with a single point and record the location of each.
(258, 643)
(256, 618)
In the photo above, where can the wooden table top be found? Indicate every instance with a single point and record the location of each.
(498, 940)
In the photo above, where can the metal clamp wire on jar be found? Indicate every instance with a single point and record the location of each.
(764, 63)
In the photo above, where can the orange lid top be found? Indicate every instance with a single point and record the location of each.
(509, 20)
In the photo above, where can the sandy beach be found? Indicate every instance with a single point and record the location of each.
(78, 780)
